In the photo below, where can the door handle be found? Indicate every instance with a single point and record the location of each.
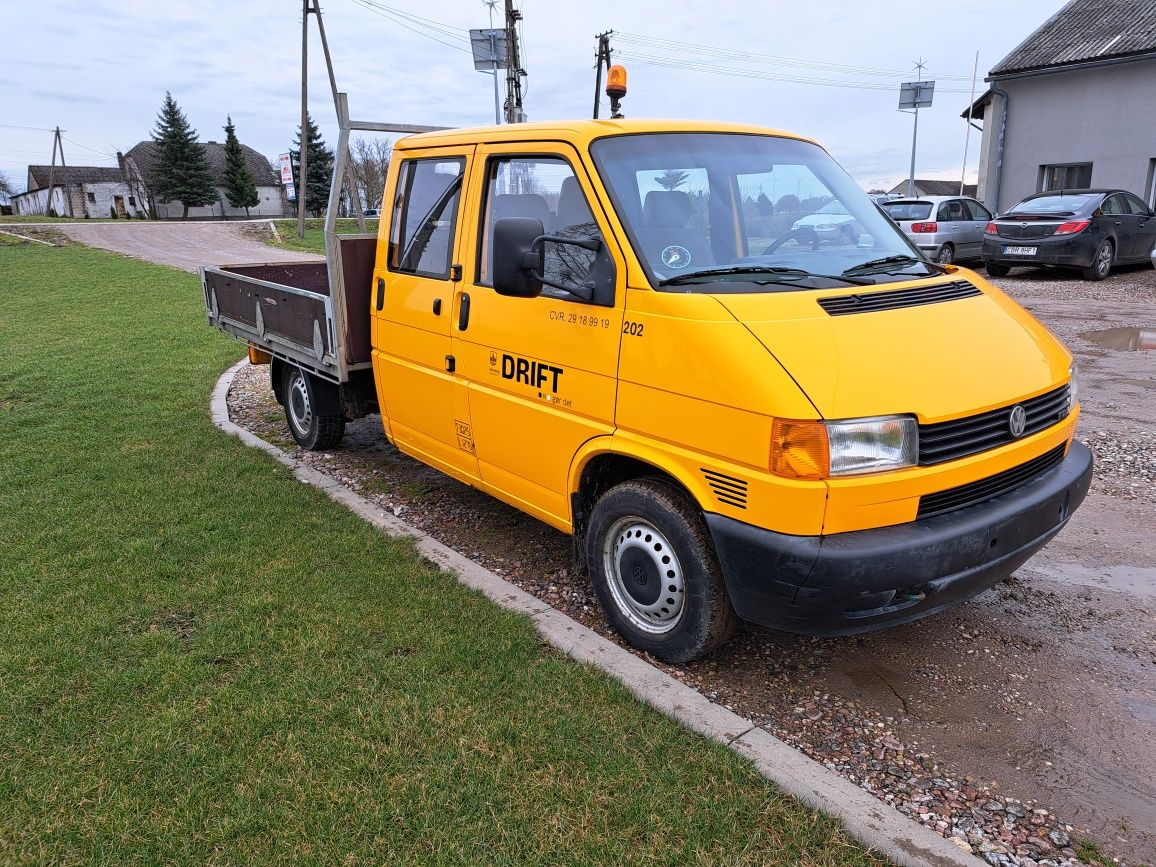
(464, 312)
(437, 307)
(380, 292)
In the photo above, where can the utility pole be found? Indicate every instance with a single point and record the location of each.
(494, 62)
(303, 153)
(967, 136)
(919, 64)
(514, 72)
(58, 143)
(601, 59)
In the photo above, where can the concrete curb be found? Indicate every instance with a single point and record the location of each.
(866, 818)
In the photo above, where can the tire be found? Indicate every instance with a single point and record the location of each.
(995, 269)
(946, 255)
(638, 531)
(1101, 265)
(309, 428)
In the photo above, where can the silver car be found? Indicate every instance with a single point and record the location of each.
(946, 228)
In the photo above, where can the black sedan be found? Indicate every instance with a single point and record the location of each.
(1087, 229)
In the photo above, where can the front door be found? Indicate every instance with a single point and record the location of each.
(542, 371)
(416, 276)
(980, 217)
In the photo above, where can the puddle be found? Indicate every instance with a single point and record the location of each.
(1143, 709)
(1123, 339)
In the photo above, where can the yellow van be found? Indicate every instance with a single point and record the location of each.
(622, 328)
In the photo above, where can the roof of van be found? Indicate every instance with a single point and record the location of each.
(579, 131)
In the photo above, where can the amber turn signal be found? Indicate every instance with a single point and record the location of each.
(799, 449)
(616, 81)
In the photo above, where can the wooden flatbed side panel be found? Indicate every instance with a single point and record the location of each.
(357, 260)
(310, 276)
(292, 317)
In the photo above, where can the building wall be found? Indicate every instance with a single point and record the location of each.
(271, 205)
(1102, 115)
(105, 196)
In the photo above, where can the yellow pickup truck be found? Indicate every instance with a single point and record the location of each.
(617, 327)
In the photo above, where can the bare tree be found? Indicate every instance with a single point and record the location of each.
(369, 164)
(7, 188)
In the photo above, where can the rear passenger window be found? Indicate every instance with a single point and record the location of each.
(977, 211)
(544, 189)
(425, 212)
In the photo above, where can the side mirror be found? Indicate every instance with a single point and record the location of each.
(516, 259)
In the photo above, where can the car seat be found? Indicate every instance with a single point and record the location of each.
(668, 243)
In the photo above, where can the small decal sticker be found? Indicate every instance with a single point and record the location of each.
(675, 256)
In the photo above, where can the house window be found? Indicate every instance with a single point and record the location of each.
(132, 200)
(92, 197)
(1071, 176)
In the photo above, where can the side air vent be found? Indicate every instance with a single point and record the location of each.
(728, 489)
(844, 305)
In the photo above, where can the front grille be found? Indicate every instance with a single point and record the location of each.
(1031, 230)
(992, 486)
(842, 305)
(728, 489)
(949, 440)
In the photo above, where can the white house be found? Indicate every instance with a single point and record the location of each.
(94, 191)
(137, 166)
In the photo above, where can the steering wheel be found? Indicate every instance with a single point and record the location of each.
(802, 235)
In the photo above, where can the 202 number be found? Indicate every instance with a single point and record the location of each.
(634, 329)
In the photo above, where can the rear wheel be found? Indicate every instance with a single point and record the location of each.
(655, 573)
(1101, 263)
(995, 269)
(310, 428)
(946, 255)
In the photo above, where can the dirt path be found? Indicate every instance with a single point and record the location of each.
(187, 246)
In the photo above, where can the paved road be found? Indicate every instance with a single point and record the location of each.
(182, 245)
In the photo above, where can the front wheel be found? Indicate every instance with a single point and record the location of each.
(655, 573)
(310, 428)
(1101, 262)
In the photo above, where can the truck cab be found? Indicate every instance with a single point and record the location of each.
(624, 329)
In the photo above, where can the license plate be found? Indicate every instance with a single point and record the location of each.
(1020, 251)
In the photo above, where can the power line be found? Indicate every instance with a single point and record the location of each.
(737, 72)
(400, 19)
(660, 43)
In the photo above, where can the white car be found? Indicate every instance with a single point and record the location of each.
(831, 223)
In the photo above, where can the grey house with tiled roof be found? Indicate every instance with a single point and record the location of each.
(1073, 105)
(137, 165)
(933, 188)
(93, 191)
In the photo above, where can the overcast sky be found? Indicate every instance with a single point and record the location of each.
(99, 69)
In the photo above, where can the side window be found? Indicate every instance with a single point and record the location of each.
(544, 189)
(425, 212)
(977, 211)
(1135, 205)
(1114, 205)
(943, 213)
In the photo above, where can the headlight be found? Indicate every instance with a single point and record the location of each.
(1073, 386)
(824, 227)
(819, 450)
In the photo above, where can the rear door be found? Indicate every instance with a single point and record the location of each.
(979, 218)
(1145, 226)
(423, 403)
(1122, 222)
(542, 371)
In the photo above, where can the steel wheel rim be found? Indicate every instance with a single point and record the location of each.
(634, 545)
(300, 410)
(1104, 260)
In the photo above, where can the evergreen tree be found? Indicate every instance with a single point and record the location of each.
(181, 172)
(319, 169)
(239, 187)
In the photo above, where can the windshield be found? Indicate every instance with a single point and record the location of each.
(903, 211)
(736, 204)
(1054, 204)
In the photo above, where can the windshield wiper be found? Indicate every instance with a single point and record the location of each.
(774, 274)
(900, 259)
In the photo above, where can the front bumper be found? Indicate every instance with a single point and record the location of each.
(855, 582)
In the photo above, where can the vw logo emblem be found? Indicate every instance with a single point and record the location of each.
(639, 574)
(1017, 420)
(675, 256)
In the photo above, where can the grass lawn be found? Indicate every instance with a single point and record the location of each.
(314, 240)
(204, 661)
